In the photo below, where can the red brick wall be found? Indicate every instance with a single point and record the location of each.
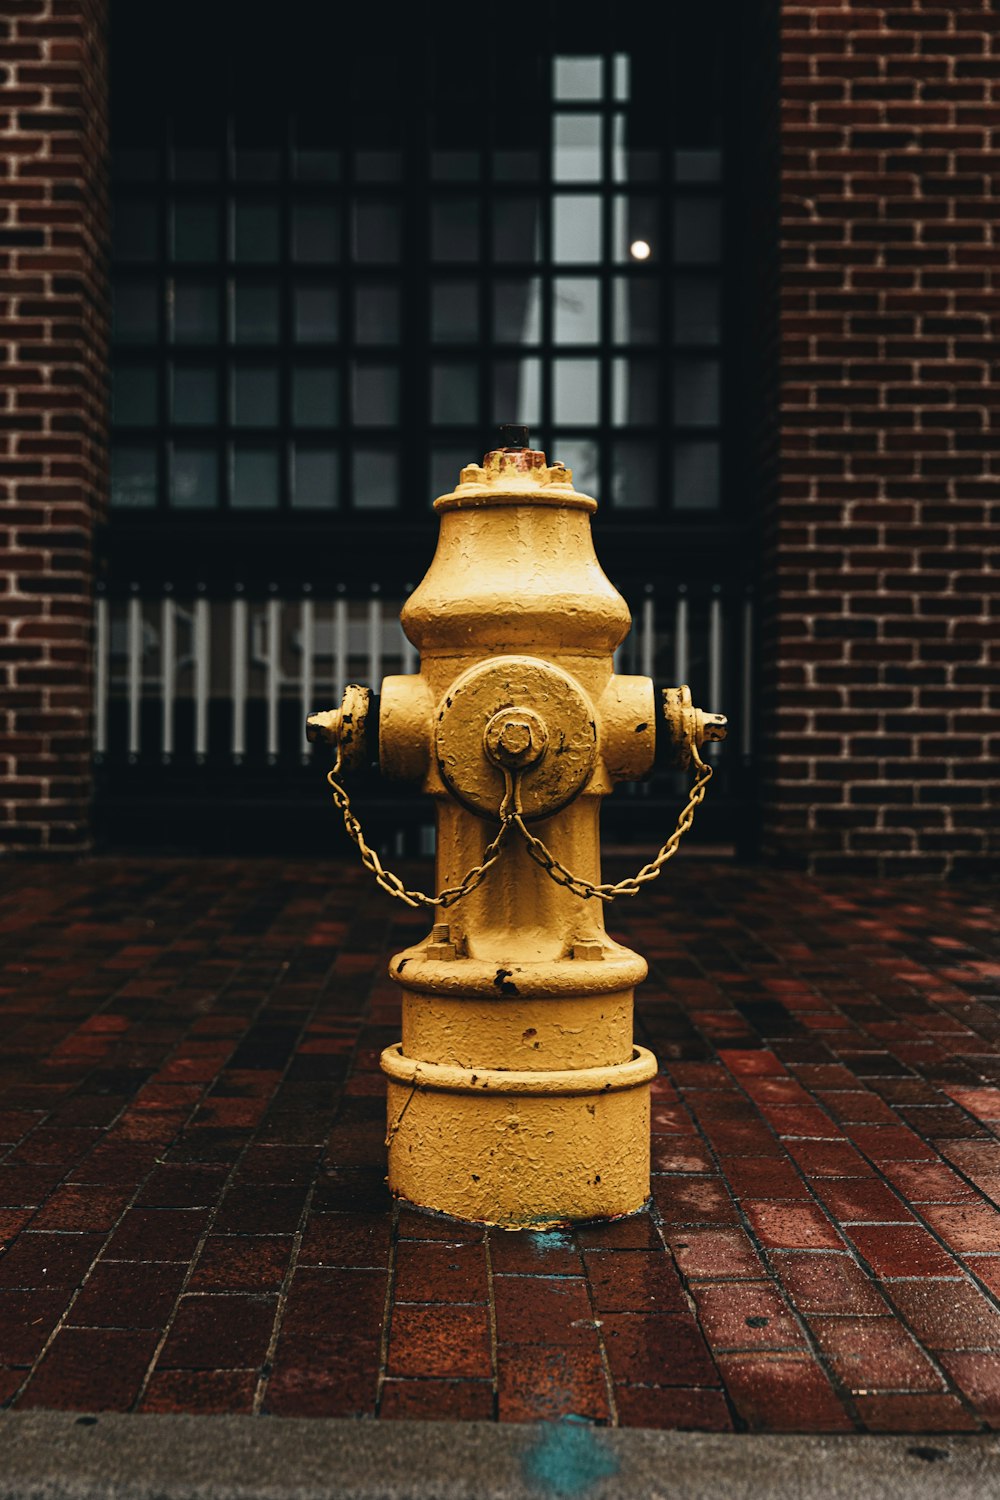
(876, 644)
(53, 345)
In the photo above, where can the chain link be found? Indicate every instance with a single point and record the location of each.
(510, 818)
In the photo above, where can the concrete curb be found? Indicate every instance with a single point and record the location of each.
(63, 1456)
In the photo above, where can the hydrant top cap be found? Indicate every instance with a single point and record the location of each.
(513, 476)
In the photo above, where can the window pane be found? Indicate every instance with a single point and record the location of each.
(194, 476)
(254, 396)
(316, 396)
(255, 314)
(622, 65)
(697, 313)
(375, 480)
(576, 148)
(196, 163)
(454, 394)
(637, 229)
(195, 309)
(696, 392)
(376, 315)
(517, 230)
(134, 165)
(455, 229)
(194, 396)
(255, 232)
(316, 233)
(376, 395)
(133, 477)
(577, 77)
(576, 390)
(630, 163)
(576, 306)
(254, 164)
(317, 166)
(255, 477)
(376, 232)
(634, 476)
(134, 233)
(454, 312)
(635, 391)
(455, 166)
(517, 311)
(517, 166)
(637, 310)
(317, 314)
(133, 399)
(576, 228)
(580, 455)
(377, 166)
(315, 478)
(517, 387)
(446, 465)
(698, 166)
(698, 230)
(135, 309)
(195, 230)
(696, 476)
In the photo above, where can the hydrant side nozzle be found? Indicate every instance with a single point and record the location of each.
(352, 728)
(687, 727)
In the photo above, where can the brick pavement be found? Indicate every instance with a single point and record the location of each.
(191, 1164)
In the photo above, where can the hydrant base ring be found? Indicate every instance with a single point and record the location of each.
(447, 1077)
(519, 1148)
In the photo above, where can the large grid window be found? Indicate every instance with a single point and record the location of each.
(335, 318)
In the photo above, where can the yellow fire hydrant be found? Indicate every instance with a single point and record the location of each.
(516, 1095)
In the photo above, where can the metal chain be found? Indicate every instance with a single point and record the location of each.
(633, 885)
(510, 817)
(392, 883)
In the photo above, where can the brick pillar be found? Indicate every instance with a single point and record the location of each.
(53, 256)
(875, 647)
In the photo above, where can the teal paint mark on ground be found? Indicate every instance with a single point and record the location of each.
(569, 1458)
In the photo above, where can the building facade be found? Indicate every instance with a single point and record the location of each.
(745, 289)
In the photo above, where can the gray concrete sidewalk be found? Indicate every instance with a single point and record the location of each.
(63, 1456)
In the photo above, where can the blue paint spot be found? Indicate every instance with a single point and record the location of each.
(569, 1458)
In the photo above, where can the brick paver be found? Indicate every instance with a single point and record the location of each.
(192, 1197)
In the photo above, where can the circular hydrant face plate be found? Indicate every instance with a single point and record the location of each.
(549, 695)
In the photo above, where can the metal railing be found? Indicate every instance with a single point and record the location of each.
(188, 677)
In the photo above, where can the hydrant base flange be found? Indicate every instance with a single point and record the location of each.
(519, 1148)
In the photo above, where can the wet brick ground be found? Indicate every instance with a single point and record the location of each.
(191, 1171)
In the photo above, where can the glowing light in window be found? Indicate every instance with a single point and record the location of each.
(640, 250)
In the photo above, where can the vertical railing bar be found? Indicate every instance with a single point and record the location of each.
(238, 681)
(308, 634)
(134, 647)
(339, 648)
(168, 673)
(102, 646)
(714, 659)
(746, 704)
(648, 632)
(374, 643)
(273, 674)
(201, 676)
(681, 637)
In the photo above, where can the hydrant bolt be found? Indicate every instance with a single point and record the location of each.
(515, 738)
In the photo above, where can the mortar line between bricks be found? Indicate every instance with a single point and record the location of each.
(602, 1351)
(836, 1384)
(157, 1161)
(279, 1312)
(950, 1387)
(491, 1307)
(388, 1305)
(214, 1212)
